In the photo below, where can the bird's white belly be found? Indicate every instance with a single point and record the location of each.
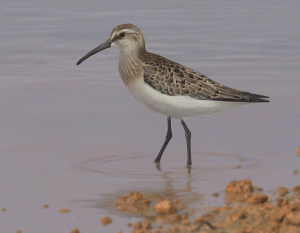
(178, 107)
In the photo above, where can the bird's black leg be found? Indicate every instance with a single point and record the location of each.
(188, 142)
(168, 138)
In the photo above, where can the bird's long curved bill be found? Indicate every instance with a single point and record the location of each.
(105, 45)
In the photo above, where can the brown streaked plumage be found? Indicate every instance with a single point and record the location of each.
(167, 87)
(173, 79)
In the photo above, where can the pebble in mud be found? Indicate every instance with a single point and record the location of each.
(3, 209)
(64, 210)
(132, 198)
(165, 207)
(186, 222)
(282, 202)
(216, 195)
(293, 219)
(238, 191)
(133, 202)
(282, 191)
(257, 199)
(242, 186)
(298, 151)
(296, 189)
(106, 221)
(45, 206)
(147, 224)
(74, 230)
(175, 218)
(138, 225)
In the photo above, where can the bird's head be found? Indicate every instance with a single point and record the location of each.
(125, 37)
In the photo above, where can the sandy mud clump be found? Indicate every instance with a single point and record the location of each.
(106, 220)
(247, 209)
(298, 151)
(64, 210)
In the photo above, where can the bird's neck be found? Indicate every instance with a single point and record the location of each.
(130, 66)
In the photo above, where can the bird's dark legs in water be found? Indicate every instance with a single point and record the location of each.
(168, 138)
(188, 142)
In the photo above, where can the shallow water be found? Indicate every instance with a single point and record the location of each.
(73, 136)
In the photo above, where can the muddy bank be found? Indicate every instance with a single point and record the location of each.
(246, 209)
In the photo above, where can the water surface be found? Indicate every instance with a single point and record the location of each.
(74, 137)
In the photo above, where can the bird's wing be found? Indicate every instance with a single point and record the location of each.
(173, 79)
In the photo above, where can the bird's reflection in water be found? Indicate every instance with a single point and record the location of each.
(170, 181)
(141, 200)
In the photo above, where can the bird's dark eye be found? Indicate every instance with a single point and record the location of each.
(122, 34)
